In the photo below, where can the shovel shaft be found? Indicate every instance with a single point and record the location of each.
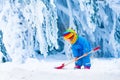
(65, 64)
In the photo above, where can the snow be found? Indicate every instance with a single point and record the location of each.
(29, 26)
(32, 69)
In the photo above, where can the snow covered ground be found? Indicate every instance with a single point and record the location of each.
(32, 69)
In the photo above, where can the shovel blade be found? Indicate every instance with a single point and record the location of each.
(60, 67)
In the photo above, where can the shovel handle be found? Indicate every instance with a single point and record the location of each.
(95, 49)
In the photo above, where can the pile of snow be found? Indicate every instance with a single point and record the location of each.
(102, 69)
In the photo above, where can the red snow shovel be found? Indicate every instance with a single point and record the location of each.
(63, 65)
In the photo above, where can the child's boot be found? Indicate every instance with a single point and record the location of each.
(77, 67)
(86, 67)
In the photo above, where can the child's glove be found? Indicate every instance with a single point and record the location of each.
(76, 58)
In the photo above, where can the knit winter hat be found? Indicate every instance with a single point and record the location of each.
(71, 35)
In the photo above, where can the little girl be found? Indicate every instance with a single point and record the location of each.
(79, 46)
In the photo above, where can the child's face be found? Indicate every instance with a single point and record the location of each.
(68, 40)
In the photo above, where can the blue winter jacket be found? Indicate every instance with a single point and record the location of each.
(80, 47)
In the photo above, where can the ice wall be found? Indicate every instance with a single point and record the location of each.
(30, 28)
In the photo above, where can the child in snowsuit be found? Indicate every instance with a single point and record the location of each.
(79, 46)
